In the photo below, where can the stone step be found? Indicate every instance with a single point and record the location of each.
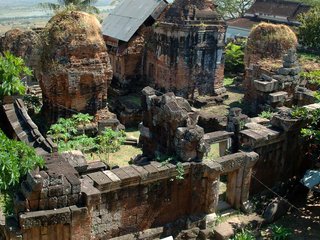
(228, 212)
(278, 97)
(266, 86)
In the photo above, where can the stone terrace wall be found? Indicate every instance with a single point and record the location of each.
(279, 146)
(135, 198)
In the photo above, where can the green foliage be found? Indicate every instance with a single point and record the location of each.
(165, 159)
(234, 58)
(83, 143)
(266, 114)
(244, 235)
(64, 133)
(280, 232)
(32, 102)
(312, 77)
(310, 2)
(63, 130)
(71, 5)
(12, 69)
(110, 141)
(6, 203)
(311, 132)
(82, 119)
(180, 170)
(16, 159)
(227, 81)
(233, 8)
(310, 28)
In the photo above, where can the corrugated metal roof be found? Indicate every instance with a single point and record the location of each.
(128, 16)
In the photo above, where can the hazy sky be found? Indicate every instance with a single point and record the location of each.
(33, 2)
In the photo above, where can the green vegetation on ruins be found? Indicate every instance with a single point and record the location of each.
(16, 159)
(69, 134)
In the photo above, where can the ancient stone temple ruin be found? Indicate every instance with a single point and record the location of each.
(75, 69)
(71, 198)
(185, 55)
(170, 127)
(282, 87)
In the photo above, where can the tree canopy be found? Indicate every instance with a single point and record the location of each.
(233, 8)
(310, 28)
(73, 5)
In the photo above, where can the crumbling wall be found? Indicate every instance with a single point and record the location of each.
(279, 146)
(271, 89)
(268, 40)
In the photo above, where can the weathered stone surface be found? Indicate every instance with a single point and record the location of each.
(170, 128)
(75, 70)
(24, 44)
(278, 97)
(179, 61)
(45, 218)
(211, 122)
(223, 232)
(264, 86)
(281, 84)
(76, 160)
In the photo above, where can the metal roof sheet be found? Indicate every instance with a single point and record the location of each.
(128, 16)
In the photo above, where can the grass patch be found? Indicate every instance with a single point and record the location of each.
(308, 57)
(228, 81)
(133, 99)
(214, 152)
(122, 157)
(132, 133)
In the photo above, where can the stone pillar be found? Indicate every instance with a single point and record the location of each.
(223, 146)
(236, 122)
(212, 196)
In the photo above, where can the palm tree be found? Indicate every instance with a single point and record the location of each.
(74, 5)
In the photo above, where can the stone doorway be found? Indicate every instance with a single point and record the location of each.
(223, 204)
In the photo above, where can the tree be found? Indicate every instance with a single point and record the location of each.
(234, 59)
(110, 141)
(82, 119)
(12, 69)
(234, 8)
(310, 28)
(310, 2)
(73, 5)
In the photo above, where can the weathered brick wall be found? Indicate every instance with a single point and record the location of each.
(280, 149)
(186, 60)
(135, 198)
